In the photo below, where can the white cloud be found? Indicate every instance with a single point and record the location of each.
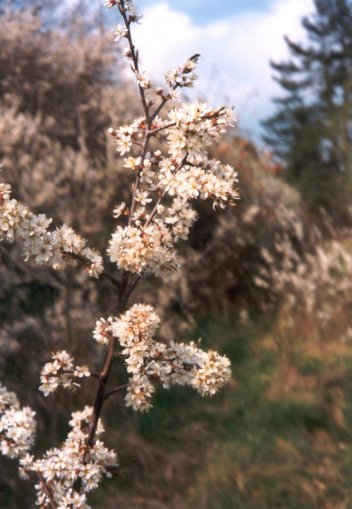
(235, 51)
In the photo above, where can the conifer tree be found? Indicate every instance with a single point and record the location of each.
(311, 131)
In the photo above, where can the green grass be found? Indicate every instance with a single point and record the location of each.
(260, 444)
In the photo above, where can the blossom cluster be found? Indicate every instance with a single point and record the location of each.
(163, 213)
(61, 372)
(182, 76)
(193, 128)
(149, 361)
(17, 425)
(67, 474)
(126, 136)
(39, 243)
(139, 250)
(102, 333)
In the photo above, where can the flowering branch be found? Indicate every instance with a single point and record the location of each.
(86, 262)
(129, 16)
(46, 491)
(160, 214)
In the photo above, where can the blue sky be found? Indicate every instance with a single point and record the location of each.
(203, 11)
(236, 39)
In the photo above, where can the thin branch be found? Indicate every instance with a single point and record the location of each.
(105, 372)
(134, 56)
(23, 268)
(138, 143)
(105, 274)
(162, 195)
(132, 288)
(155, 209)
(100, 395)
(119, 354)
(138, 176)
(46, 490)
(124, 290)
(162, 128)
(159, 108)
(116, 389)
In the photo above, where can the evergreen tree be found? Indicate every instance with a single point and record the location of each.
(311, 131)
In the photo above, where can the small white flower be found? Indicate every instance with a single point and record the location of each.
(102, 333)
(119, 210)
(120, 32)
(124, 144)
(132, 162)
(143, 80)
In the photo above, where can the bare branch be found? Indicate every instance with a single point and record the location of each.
(116, 389)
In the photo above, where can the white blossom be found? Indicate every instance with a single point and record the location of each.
(102, 333)
(196, 126)
(183, 76)
(73, 464)
(139, 250)
(139, 323)
(17, 425)
(149, 361)
(39, 243)
(120, 32)
(119, 210)
(61, 372)
(143, 79)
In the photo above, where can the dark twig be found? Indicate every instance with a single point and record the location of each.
(87, 262)
(46, 490)
(125, 289)
(134, 56)
(162, 128)
(159, 108)
(116, 389)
